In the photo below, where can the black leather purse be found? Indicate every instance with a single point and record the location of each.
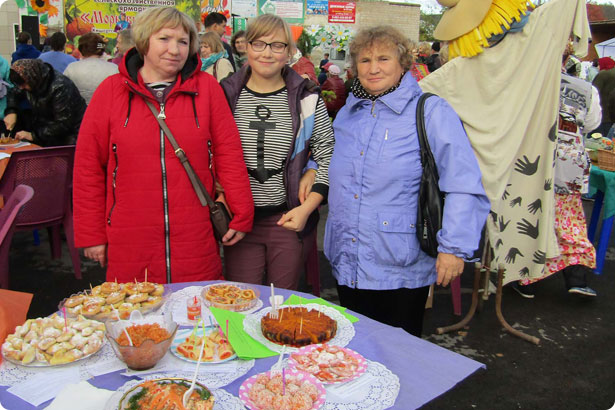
(431, 200)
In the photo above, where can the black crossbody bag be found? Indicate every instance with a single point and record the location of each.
(431, 201)
(220, 216)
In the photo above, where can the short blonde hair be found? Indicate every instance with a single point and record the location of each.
(213, 41)
(381, 36)
(424, 47)
(267, 24)
(154, 19)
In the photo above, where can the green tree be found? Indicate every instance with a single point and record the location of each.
(427, 26)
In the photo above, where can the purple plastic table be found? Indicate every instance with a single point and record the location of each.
(425, 370)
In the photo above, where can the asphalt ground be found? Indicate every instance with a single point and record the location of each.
(573, 367)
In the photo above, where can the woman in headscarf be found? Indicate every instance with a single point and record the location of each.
(57, 106)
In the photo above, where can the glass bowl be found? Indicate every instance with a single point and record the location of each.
(233, 296)
(147, 354)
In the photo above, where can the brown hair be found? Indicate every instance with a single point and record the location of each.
(153, 19)
(213, 41)
(91, 44)
(381, 36)
(267, 24)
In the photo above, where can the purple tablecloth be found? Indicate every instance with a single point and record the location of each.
(425, 370)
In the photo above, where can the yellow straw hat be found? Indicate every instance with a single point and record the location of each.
(468, 24)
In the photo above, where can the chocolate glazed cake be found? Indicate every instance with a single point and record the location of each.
(296, 326)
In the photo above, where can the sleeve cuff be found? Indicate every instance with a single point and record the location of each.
(322, 189)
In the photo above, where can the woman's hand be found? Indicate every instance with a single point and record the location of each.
(97, 253)
(295, 219)
(232, 237)
(219, 189)
(305, 184)
(448, 267)
(10, 120)
(24, 135)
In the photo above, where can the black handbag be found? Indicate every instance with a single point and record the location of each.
(431, 201)
(220, 215)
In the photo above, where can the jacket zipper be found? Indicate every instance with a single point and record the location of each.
(165, 202)
(114, 148)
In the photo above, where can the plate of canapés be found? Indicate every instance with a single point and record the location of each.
(53, 341)
(236, 297)
(111, 299)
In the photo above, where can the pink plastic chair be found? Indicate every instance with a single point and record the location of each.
(8, 215)
(49, 171)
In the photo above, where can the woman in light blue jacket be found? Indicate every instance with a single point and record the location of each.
(374, 176)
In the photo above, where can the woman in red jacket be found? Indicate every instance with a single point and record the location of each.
(134, 205)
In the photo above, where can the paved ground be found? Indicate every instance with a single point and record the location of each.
(572, 368)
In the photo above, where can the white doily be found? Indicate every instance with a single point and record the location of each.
(376, 389)
(176, 306)
(345, 329)
(11, 374)
(222, 399)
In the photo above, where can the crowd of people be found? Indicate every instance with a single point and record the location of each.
(261, 130)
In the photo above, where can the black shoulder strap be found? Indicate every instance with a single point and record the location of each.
(426, 155)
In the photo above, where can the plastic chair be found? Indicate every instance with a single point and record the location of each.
(8, 215)
(49, 171)
(312, 271)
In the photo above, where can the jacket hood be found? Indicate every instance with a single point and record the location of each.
(132, 63)
(293, 80)
(407, 91)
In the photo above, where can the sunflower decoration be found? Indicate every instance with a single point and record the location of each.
(44, 6)
(42, 30)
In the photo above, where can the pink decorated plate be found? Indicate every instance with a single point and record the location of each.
(349, 368)
(313, 388)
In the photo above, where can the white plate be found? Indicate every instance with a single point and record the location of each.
(182, 334)
(345, 329)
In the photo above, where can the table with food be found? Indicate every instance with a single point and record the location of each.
(139, 345)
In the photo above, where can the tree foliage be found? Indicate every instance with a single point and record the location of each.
(427, 26)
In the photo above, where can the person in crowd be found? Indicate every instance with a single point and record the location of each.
(606, 63)
(213, 57)
(324, 61)
(58, 59)
(300, 62)
(349, 78)
(433, 61)
(424, 50)
(122, 23)
(605, 83)
(322, 76)
(123, 43)
(443, 55)
(282, 120)
(418, 69)
(92, 69)
(239, 46)
(56, 106)
(5, 85)
(336, 84)
(579, 111)
(375, 174)
(216, 22)
(25, 49)
(134, 204)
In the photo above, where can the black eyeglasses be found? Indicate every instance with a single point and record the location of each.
(277, 46)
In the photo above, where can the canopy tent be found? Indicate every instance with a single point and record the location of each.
(606, 48)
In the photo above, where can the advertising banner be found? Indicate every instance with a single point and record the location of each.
(244, 8)
(342, 12)
(289, 10)
(318, 7)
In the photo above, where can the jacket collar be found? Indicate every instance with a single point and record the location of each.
(132, 63)
(293, 81)
(397, 100)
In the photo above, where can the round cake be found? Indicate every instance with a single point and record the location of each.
(298, 326)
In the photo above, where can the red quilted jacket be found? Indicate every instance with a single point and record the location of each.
(132, 193)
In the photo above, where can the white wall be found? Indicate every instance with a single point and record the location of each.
(9, 15)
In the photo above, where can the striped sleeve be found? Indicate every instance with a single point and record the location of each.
(321, 146)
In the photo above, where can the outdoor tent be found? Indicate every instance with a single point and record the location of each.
(606, 48)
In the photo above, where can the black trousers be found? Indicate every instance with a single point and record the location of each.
(577, 276)
(398, 307)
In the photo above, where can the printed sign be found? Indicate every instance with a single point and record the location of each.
(318, 7)
(342, 12)
(289, 10)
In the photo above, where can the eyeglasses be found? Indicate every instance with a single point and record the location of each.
(277, 46)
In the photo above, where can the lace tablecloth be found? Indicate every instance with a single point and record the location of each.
(345, 329)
